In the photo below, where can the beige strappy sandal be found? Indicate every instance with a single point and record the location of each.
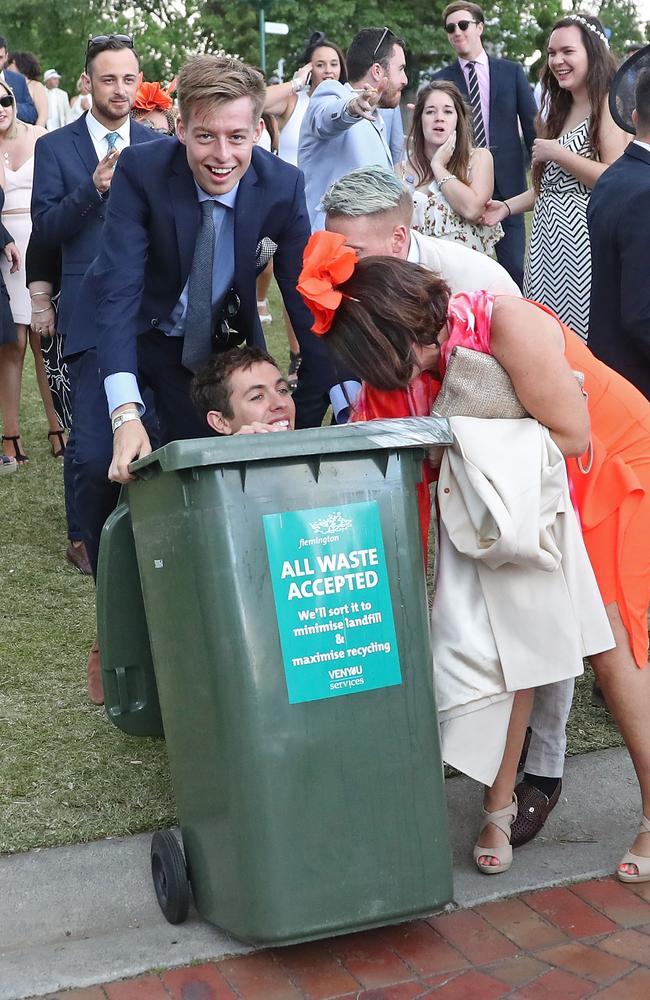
(642, 864)
(503, 820)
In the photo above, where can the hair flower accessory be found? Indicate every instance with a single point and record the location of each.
(327, 262)
(152, 97)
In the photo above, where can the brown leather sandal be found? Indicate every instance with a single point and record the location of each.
(534, 808)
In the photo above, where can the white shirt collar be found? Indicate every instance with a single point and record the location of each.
(643, 145)
(98, 131)
(413, 256)
(482, 59)
(228, 199)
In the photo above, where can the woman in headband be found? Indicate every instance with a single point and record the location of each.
(577, 141)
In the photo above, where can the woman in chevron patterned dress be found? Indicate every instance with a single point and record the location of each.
(578, 140)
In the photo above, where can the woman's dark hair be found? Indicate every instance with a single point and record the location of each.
(459, 162)
(27, 64)
(600, 73)
(318, 40)
(388, 307)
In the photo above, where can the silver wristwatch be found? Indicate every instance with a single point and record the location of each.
(123, 418)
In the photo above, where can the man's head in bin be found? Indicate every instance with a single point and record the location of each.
(243, 392)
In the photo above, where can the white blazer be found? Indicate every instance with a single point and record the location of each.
(463, 269)
(517, 604)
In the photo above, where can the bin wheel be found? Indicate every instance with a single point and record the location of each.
(169, 874)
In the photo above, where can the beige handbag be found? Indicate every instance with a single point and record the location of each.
(476, 385)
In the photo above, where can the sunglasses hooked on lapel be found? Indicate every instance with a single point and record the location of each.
(224, 335)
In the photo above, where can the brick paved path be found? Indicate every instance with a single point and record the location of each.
(590, 940)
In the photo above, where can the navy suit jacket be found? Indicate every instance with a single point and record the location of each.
(148, 244)
(24, 105)
(67, 210)
(618, 216)
(511, 103)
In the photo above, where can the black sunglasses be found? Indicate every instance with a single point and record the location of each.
(6, 102)
(98, 40)
(463, 25)
(381, 41)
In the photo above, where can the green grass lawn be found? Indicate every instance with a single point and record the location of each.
(66, 774)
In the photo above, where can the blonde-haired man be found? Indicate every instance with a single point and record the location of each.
(373, 210)
(189, 223)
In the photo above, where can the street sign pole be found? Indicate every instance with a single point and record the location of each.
(262, 30)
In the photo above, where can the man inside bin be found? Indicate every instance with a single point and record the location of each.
(243, 392)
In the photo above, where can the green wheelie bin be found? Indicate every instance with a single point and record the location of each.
(284, 592)
(130, 692)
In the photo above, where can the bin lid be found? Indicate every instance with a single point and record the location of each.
(407, 432)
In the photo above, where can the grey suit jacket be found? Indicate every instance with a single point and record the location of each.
(332, 143)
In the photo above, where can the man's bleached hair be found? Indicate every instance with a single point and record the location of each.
(368, 191)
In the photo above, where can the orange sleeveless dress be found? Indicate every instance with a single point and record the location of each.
(613, 498)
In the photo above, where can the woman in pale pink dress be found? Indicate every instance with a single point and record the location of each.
(17, 141)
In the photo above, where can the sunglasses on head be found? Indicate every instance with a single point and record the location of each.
(6, 101)
(463, 25)
(98, 40)
(381, 41)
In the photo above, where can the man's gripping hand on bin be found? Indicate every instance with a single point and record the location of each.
(130, 441)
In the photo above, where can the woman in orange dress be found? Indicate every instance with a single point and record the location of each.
(395, 324)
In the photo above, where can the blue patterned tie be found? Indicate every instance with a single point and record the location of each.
(197, 341)
(111, 139)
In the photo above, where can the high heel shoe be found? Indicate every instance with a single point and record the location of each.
(60, 451)
(503, 820)
(641, 863)
(20, 456)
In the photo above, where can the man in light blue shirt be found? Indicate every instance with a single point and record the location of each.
(343, 128)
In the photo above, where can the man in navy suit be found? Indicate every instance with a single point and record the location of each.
(73, 172)
(619, 229)
(506, 102)
(25, 108)
(210, 204)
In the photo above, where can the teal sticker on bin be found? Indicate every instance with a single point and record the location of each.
(332, 601)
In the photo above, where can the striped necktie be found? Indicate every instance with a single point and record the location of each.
(475, 101)
(111, 139)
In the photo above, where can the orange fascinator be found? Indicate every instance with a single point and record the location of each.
(326, 263)
(152, 97)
